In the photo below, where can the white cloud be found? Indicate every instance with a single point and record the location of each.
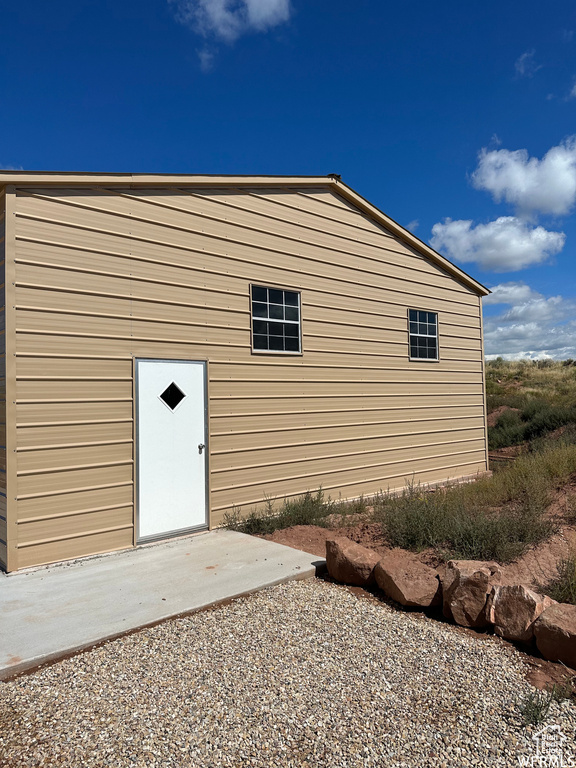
(525, 65)
(229, 19)
(530, 340)
(413, 225)
(572, 94)
(537, 310)
(206, 59)
(534, 326)
(510, 293)
(263, 14)
(531, 185)
(504, 245)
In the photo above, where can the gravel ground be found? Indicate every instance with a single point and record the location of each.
(303, 674)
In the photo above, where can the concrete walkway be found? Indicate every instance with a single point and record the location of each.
(49, 612)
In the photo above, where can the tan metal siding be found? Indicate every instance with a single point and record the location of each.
(323, 456)
(390, 477)
(106, 275)
(10, 380)
(3, 522)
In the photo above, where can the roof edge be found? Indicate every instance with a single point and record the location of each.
(215, 180)
(360, 202)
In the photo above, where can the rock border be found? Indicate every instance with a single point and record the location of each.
(470, 592)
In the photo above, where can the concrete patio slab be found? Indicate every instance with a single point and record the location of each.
(59, 609)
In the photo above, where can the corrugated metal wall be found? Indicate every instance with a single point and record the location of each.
(3, 526)
(106, 275)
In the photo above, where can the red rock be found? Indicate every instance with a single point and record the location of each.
(513, 611)
(350, 563)
(555, 631)
(465, 590)
(402, 577)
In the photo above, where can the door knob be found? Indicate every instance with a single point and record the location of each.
(201, 447)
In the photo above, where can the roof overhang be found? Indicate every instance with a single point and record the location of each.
(134, 180)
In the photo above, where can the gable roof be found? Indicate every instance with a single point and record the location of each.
(331, 182)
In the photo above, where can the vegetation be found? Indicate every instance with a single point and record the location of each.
(309, 509)
(542, 394)
(536, 705)
(563, 589)
(493, 518)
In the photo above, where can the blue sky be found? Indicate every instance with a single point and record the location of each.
(456, 119)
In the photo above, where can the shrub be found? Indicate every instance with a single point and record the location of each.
(563, 588)
(308, 509)
(536, 419)
(548, 419)
(496, 517)
(445, 521)
(493, 518)
(535, 707)
(509, 430)
(518, 400)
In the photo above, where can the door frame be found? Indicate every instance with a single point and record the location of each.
(206, 525)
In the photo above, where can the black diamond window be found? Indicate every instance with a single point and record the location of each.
(172, 396)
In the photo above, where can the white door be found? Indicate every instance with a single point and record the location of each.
(171, 456)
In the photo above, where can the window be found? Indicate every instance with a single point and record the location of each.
(423, 330)
(275, 320)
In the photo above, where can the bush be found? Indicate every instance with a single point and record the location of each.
(511, 400)
(563, 588)
(537, 418)
(509, 430)
(419, 520)
(546, 419)
(536, 706)
(493, 518)
(308, 509)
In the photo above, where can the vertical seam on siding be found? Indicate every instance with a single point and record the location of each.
(10, 413)
(483, 383)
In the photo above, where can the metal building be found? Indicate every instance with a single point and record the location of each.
(176, 346)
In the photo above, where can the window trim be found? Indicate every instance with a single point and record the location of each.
(298, 292)
(423, 359)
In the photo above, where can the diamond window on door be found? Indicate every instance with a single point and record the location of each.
(172, 396)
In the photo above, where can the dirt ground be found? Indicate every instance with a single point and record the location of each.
(536, 567)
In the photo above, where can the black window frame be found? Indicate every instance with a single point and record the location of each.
(273, 313)
(419, 337)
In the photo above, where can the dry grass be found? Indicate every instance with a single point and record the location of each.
(495, 518)
(563, 588)
(308, 509)
(518, 382)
